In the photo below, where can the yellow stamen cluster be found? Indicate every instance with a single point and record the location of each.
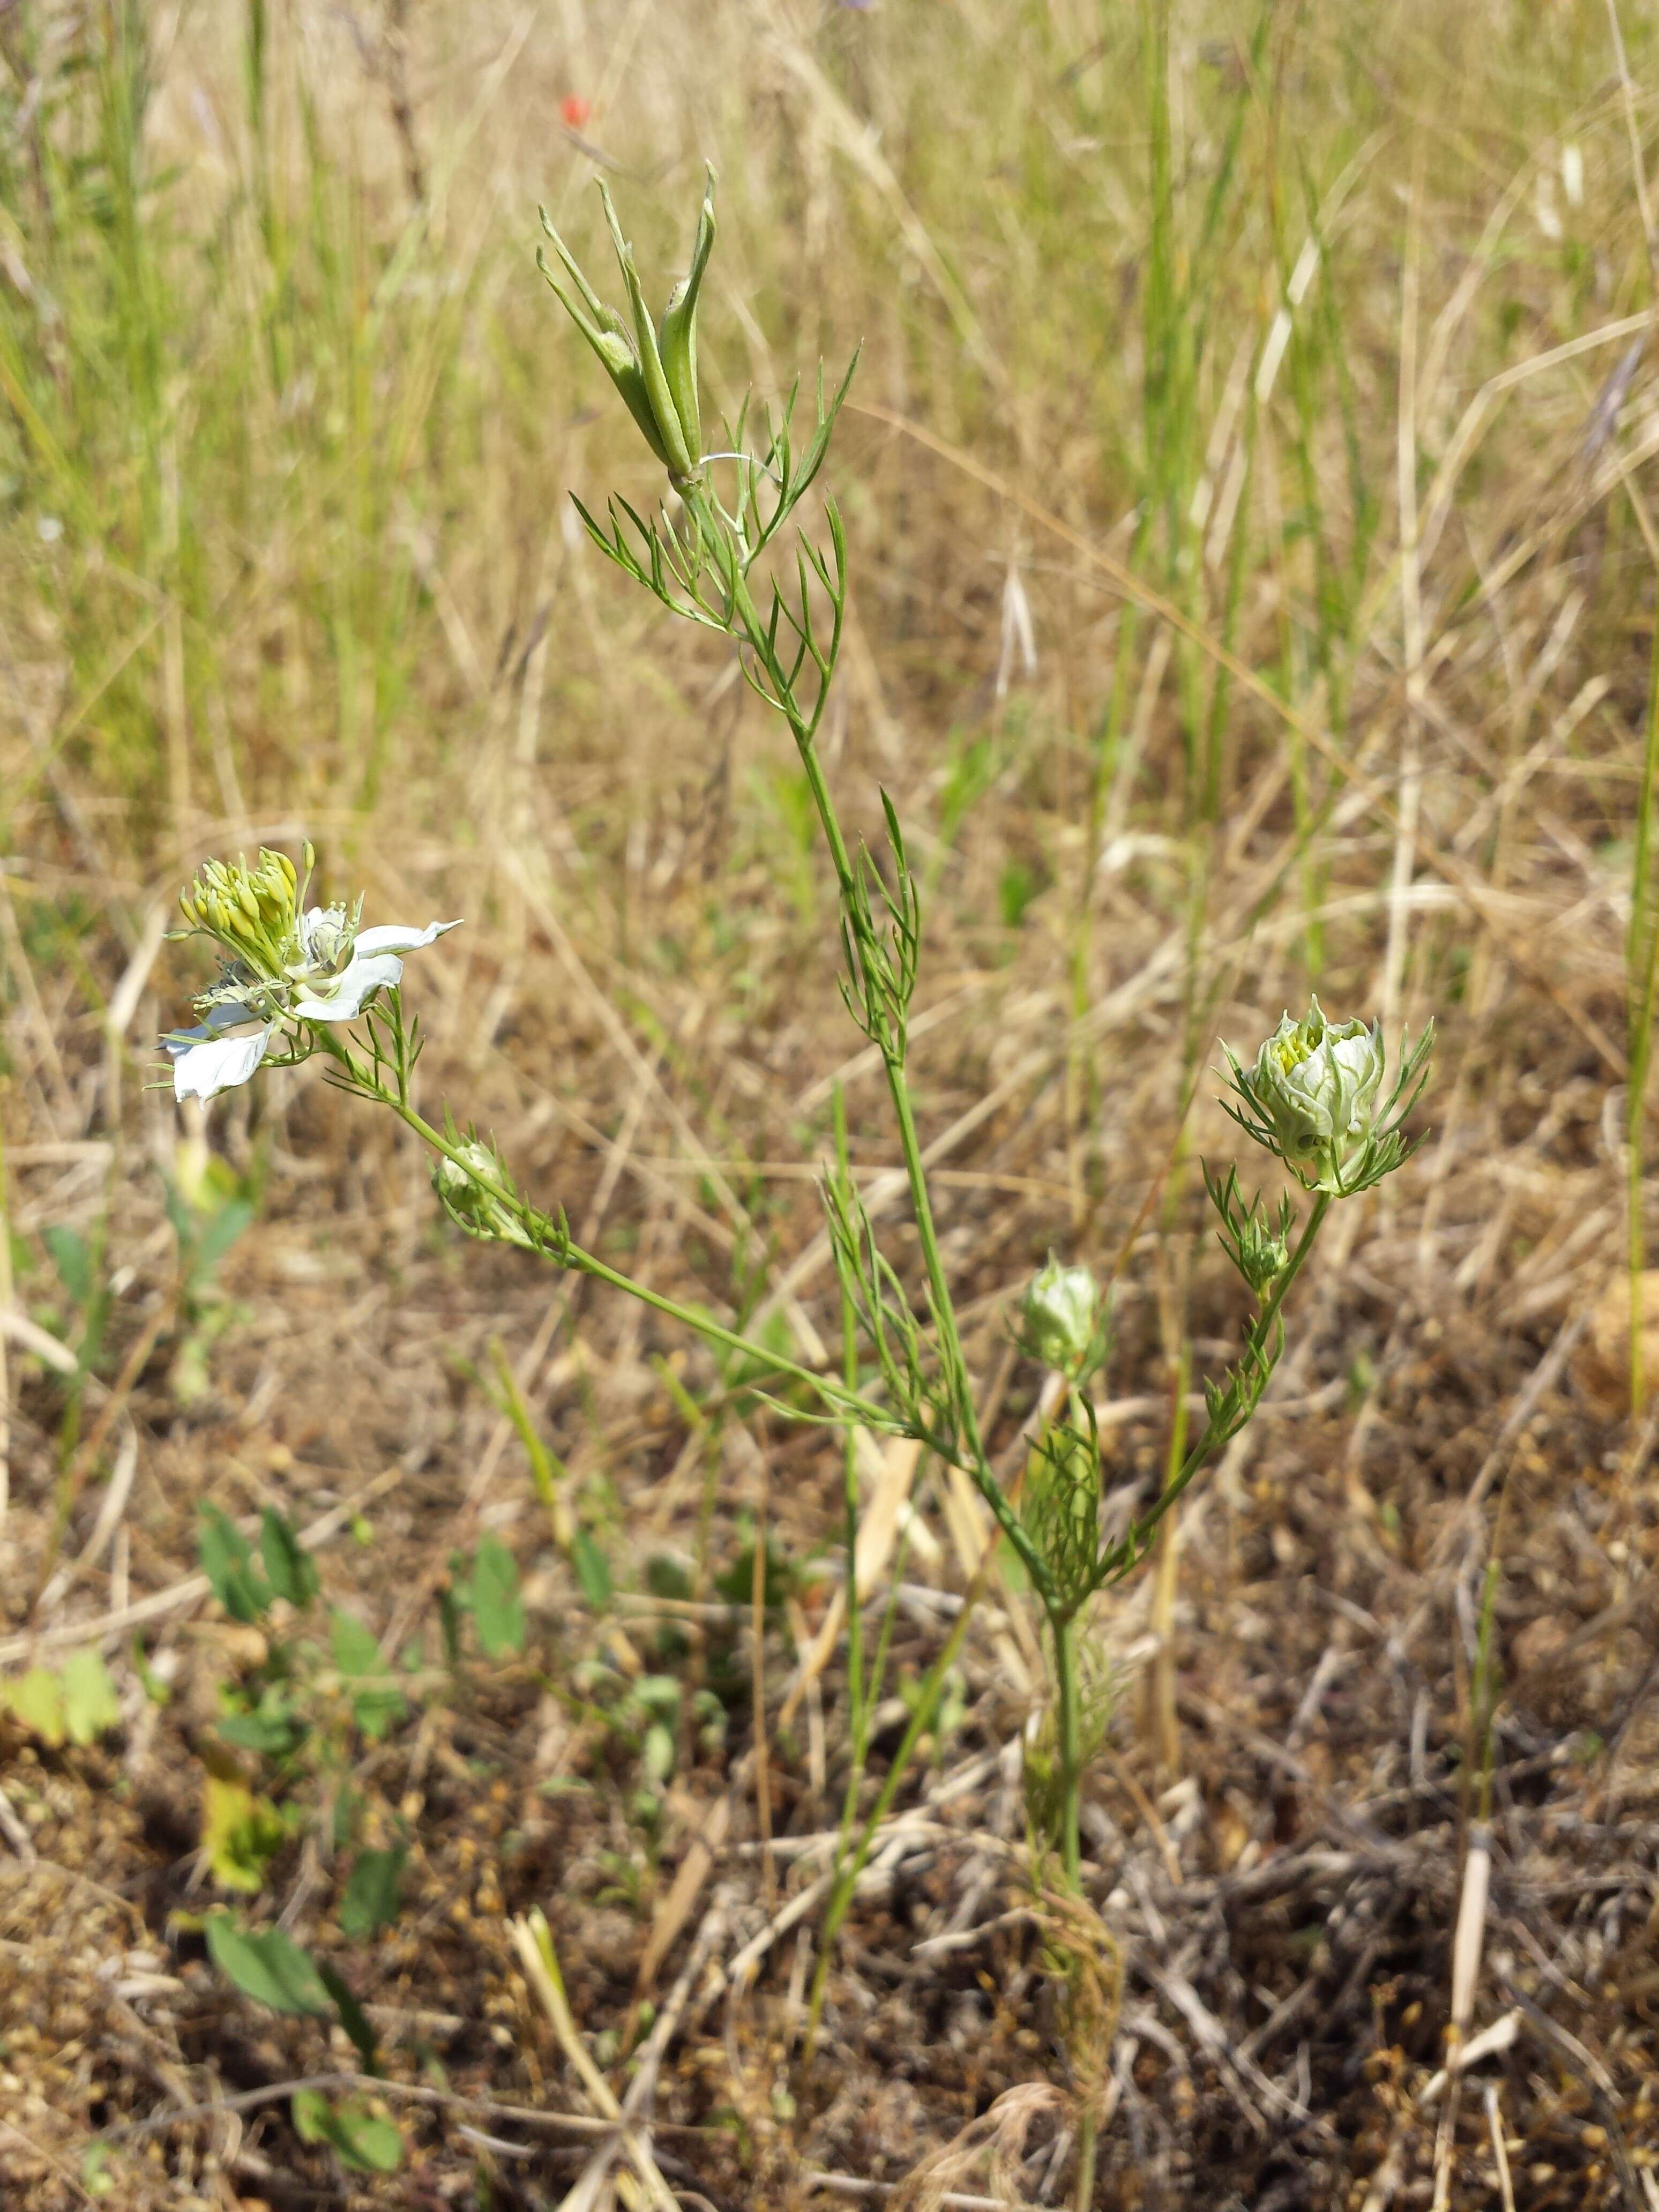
(251, 911)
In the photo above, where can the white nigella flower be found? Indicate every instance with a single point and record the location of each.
(206, 1062)
(284, 968)
(344, 966)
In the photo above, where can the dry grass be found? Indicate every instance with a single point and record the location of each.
(283, 453)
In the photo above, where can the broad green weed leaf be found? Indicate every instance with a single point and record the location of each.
(37, 1699)
(90, 1706)
(355, 1650)
(311, 2114)
(72, 1257)
(495, 1600)
(216, 1236)
(95, 2177)
(353, 2018)
(360, 2137)
(267, 1966)
(372, 1893)
(657, 1752)
(357, 1654)
(227, 1563)
(343, 1816)
(290, 1568)
(592, 1569)
(273, 1727)
(377, 1711)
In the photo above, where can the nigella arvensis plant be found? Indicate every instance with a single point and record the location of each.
(293, 981)
(284, 968)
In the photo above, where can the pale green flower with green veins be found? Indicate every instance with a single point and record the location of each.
(1064, 1326)
(1314, 1097)
(283, 966)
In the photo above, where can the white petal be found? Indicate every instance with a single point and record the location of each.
(398, 937)
(220, 1064)
(349, 990)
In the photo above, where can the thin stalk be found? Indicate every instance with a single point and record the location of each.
(757, 1686)
(1485, 1688)
(1642, 974)
(1087, 2135)
(849, 1340)
(803, 728)
(922, 1719)
(1070, 1730)
(1161, 1724)
(1125, 1555)
(951, 1344)
(851, 1406)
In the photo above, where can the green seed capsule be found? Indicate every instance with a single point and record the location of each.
(678, 336)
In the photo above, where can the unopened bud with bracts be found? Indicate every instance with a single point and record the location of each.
(1064, 1323)
(475, 1190)
(1263, 1254)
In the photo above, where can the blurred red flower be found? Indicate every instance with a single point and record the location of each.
(575, 110)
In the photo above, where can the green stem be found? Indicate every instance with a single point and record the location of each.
(803, 728)
(1122, 1556)
(973, 1459)
(849, 1341)
(1071, 1745)
(1087, 2135)
(922, 1718)
(846, 1403)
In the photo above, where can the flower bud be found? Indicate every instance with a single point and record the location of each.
(1063, 1318)
(1263, 1254)
(479, 1212)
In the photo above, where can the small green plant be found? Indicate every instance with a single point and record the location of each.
(736, 563)
(641, 1717)
(318, 1689)
(72, 1703)
(209, 1207)
(78, 1262)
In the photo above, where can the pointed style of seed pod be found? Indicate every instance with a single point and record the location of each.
(669, 429)
(606, 332)
(654, 368)
(676, 334)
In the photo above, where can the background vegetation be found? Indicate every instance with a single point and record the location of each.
(1247, 481)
